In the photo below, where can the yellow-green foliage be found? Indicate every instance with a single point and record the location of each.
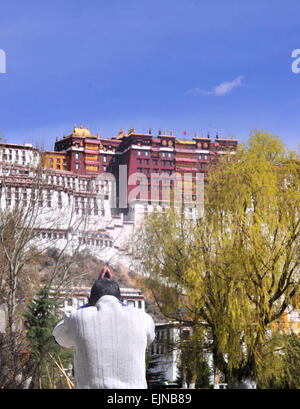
(237, 268)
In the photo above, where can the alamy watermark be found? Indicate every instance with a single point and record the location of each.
(2, 62)
(296, 63)
(170, 189)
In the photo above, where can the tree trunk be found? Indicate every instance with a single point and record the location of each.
(11, 306)
(193, 381)
(216, 379)
(184, 382)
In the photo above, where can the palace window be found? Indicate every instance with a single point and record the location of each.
(76, 205)
(59, 201)
(17, 196)
(48, 198)
(89, 209)
(40, 198)
(33, 197)
(91, 147)
(82, 205)
(168, 332)
(8, 197)
(95, 207)
(24, 198)
(92, 168)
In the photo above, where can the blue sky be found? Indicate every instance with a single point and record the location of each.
(186, 64)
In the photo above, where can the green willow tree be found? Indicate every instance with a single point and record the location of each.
(281, 364)
(193, 358)
(235, 270)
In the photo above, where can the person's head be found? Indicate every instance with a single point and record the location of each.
(104, 286)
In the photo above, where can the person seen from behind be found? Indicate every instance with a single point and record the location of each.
(110, 339)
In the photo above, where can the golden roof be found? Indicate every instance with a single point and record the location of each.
(81, 131)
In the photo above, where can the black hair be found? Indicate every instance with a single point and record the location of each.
(104, 286)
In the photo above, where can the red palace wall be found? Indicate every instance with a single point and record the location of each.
(141, 153)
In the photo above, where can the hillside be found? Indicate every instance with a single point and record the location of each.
(84, 269)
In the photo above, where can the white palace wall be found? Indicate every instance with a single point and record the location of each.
(67, 208)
